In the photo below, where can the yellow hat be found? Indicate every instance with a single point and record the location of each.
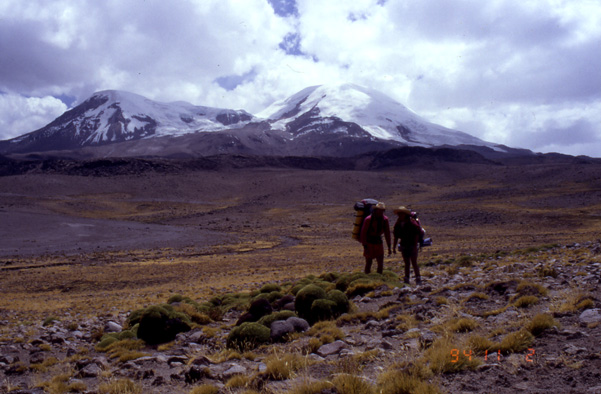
(402, 209)
(381, 206)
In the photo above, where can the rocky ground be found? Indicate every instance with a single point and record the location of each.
(515, 258)
(389, 327)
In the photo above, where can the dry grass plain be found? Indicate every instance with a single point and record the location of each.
(86, 246)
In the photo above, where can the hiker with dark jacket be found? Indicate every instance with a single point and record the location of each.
(408, 231)
(373, 227)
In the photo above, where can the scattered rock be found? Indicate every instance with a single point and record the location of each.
(331, 348)
(111, 326)
(590, 316)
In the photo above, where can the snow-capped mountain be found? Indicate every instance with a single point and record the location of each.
(327, 120)
(360, 112)
(113, 116)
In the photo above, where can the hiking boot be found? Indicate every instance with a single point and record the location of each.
(406, 280)
(418, 280)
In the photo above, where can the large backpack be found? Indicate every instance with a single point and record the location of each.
(423, 241)
(363, 209)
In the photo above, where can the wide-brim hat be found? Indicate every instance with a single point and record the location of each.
(380, 205)
(402, 209)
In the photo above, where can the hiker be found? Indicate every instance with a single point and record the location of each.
(408, 231)
(373, 227)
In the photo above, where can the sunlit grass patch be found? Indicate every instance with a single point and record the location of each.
(406, 378)
(120, 386)
(238, 381)
(525, 301)
(531, 288)
(125, 350)
(540, 323)
(516, 342)
(462, 325)
(476, 296)
(572, 301)
(284, 366)
(352, 384)
(444, 356)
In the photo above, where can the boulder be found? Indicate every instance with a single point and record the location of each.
(280, 329)
(590, 316)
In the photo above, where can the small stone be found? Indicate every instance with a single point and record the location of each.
(235, 369)
(111, 326)
(300, 325)
(331, 348)
(90, 371)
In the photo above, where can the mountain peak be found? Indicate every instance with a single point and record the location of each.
(374, 112)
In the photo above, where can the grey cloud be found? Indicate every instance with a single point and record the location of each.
(579, 132)
(28, 62)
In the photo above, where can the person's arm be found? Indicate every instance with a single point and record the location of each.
(387, 234)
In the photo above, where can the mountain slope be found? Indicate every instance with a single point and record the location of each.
(115, 116)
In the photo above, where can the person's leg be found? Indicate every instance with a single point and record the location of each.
(418, 277)
(368, 262)
(407, 267)
(380, 260)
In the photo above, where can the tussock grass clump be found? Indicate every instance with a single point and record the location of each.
(465, 261)
(205, 389)
(283, 366)
(440, 360)
(525, 301)
(540, 323)
(462, 325)
(479, 344)
(194, 314)
(357, 362)
(270, 288)
(326, 328)
(547, 271)
(476, 296)
(159, 323)
(406, 378)
(238, 381)
(125, 350)
(305, 297)
(60, 384)
(352, 384)
(531, 288)
(120, 386)
(44, 365)
(516, 342)
(359, 283)
(574, 301)
(248, 336)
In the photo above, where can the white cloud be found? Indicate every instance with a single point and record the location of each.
(20, 115)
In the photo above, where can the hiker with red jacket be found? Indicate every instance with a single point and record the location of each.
(408, 230)
(372, 229)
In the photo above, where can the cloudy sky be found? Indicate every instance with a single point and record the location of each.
(525, 73)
